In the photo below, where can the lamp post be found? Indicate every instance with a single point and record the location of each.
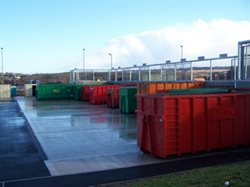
(181, 52)
(83, 63)
(2, 58)
(111, 60)
(83, 59)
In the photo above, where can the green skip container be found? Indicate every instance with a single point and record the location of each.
(54, 91)
(127, 99)
(195, 91)
(76, 89)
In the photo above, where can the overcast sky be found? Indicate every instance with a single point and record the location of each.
(49, 35)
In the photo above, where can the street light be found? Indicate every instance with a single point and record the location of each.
(2, 58)
(83, 64)
(83, 59)
(181, 52)
(111, 60)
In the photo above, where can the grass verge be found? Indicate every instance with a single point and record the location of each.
(237, 174)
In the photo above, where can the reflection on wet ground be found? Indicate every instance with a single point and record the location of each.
(80, 137)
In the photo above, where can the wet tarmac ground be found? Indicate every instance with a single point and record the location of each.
(19, 157)
(82, 145)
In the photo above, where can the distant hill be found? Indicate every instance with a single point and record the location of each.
(19, 79)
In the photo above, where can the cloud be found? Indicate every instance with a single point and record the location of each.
(201, 38)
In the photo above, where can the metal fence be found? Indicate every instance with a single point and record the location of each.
(221, 68)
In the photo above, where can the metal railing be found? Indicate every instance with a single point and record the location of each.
(221, 68)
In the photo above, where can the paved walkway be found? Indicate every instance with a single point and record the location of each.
(78, 137)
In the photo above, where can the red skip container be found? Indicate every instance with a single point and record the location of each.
(113, 98)
(175, 125)
(85, 93)
(98, 94)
